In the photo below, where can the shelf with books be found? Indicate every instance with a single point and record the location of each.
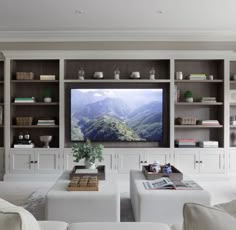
(34, 92)
(199, 103)
(198, 126)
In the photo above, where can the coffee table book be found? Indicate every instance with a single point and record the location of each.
(176, 175)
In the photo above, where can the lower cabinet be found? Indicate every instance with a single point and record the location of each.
(232, 160)
(34, 161)
(136, 158)
(200, 161)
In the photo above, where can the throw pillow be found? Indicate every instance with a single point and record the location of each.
(200, 217)
(229, 207)
(16, 218)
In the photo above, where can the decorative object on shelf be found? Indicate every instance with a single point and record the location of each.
(179, 75)
(210, 77)
(208, 122)
(1, 115)
(185, 142)
(47, 77)
(152, 74)
(47, 95)
(185, 120)
(232, 96)
(24, 75)
(46, 139)
(233, 139)
(208, 144)
(135, 75)
(46, 121)
(188, 96)
(98, 75)
(23, 141)
(196, 77)
(81, 74)
(88, 152)
(233, 78)
(24, 121)
(177, 93)
(208, 99)
(116, 73)
(24, 99)
(155, 167)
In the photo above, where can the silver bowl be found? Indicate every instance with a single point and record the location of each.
(46, 140)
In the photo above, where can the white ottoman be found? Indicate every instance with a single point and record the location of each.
(84, 206)
(163, 206)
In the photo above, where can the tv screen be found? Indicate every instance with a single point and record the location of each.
(116, 114)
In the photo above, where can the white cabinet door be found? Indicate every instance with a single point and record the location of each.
(129, 160)
(22, 161)
(232, 161)
(157, 155)
(187, 160)
(211, 161)
(46, 161)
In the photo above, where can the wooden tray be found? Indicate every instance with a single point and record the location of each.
(82, 188)
(176, 175)
(100, 174)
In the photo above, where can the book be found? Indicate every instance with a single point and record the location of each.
(167, 183)
(86, 171)
(24, 145)
(47, 77)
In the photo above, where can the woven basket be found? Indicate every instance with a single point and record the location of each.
(185, 121)
(24, 75)
(24, 120)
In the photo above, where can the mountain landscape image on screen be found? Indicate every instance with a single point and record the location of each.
(116, 114)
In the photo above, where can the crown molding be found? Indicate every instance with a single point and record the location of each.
(75, 36)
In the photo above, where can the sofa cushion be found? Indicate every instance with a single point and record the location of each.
(118, 226)
(16, 218)
(229, 207)
(199, 217)
(53, 225)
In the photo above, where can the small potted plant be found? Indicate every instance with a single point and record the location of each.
(47, 95)
(188, 96)
(90, 153)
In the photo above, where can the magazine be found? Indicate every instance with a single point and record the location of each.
(167, 183)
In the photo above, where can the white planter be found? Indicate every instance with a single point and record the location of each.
(47, 99)
(189, 99)
(89, 165)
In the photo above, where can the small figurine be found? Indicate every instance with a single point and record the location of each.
(155, 167)
(167, 168)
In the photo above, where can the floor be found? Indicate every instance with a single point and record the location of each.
(31, 194)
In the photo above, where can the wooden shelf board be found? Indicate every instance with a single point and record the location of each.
(35, 126)
(35, 103)
(199, 103)
(198, 126)
(34, 81)
(199, 81)
(118, 81)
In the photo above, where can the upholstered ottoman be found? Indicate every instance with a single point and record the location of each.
(164, 205)
(84, 206)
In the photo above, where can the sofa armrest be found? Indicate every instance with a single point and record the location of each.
(53, 225)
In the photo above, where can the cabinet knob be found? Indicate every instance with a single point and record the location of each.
(196, 162)
(141, 161)
(31, 162)
(35, 162)
(145, 161)
(200, 161)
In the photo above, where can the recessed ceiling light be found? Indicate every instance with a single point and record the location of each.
(79, 11)
(160, 12)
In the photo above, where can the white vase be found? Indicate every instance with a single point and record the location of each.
(89, 165)
(189, 99)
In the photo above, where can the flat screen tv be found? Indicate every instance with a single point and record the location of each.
(115, 115)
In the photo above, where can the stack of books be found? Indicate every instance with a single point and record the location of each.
(183, 143)
(24, 100)
(47, 77)
(197, 77)
(209, 144)
(19, 145)
(46, 122)
(208, 122)
(208, 99)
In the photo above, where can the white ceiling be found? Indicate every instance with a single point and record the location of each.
(118, 19)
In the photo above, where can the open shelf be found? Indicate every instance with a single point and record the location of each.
(198, 126)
